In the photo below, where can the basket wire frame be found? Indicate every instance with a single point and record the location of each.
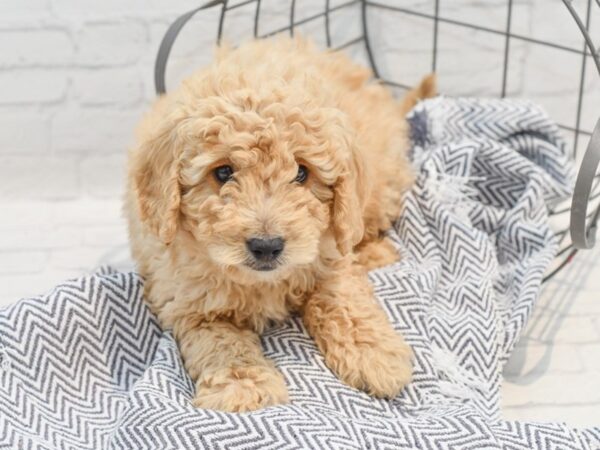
(581, 232)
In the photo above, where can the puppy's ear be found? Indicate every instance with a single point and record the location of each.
(155, 175)
(348, 202)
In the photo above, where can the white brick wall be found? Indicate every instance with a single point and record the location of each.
(36, 47)
(45, 177)
(16, 137)
(75, 75)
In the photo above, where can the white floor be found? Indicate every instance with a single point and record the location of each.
(554, 373)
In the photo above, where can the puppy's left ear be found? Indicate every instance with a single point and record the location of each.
(154, 171)
(349, 194)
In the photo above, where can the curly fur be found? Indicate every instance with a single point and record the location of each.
(264, 108)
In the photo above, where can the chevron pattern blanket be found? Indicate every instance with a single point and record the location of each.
(87, 366)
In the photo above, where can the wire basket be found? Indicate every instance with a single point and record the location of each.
(424, 32)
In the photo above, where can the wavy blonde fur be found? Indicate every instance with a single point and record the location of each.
(263, 109)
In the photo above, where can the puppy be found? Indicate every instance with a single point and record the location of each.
(259, 188)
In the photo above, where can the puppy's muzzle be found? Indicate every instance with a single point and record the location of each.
(265, 252)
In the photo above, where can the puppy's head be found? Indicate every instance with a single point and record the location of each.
(262, 186)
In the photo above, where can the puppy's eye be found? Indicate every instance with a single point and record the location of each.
(302, 174)
(223, 174)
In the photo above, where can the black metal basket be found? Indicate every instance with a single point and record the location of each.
(319, 19)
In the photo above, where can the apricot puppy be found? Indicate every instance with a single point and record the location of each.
(259, 188)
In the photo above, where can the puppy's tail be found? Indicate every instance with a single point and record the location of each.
(427, 88)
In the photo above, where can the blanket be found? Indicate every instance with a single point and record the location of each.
(87, 366)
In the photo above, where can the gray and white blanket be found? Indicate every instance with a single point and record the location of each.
(87, 366)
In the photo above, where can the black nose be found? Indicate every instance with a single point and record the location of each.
(265, 249)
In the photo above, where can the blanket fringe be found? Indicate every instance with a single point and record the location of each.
(460, 383)
(455, 191)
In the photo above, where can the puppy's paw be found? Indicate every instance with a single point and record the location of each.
(381, 368)
(376, 254)
(241, 389)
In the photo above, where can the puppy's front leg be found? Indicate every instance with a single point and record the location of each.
(228, 366)
(352, 331)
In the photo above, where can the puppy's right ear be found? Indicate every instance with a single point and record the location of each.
(350, 194)
(155, 175)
